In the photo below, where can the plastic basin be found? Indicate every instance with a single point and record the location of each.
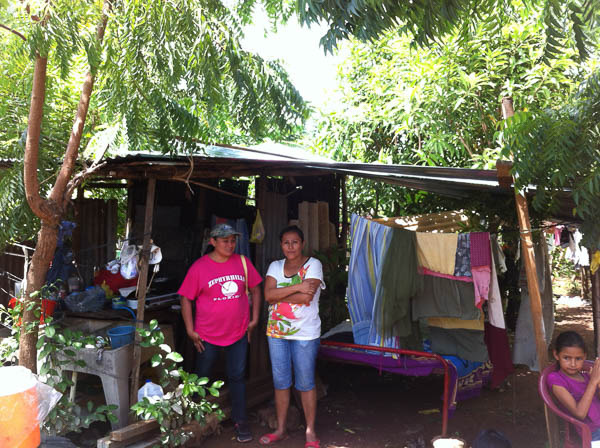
(121, 335)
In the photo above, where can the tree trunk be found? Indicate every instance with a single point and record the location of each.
(50, 210)
(36, 277)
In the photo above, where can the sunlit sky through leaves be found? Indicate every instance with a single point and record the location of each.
(310, 70)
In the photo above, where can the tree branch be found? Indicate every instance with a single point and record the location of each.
(15, 32)
(41, 208)
(59, 190)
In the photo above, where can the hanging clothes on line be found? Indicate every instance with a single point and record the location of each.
(369, 242)
(441, 297)
(437, 251)
(398, 283)
(480, 266)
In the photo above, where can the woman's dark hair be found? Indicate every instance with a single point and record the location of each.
(294, 229)
(569, 339)
(490, 438)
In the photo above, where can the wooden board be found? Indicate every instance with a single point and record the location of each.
(303, 224)
(313, 225)
(323, 222)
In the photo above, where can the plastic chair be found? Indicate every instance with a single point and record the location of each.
(571, 437)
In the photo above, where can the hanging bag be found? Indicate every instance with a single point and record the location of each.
(258, 230)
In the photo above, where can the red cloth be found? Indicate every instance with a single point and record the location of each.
(496, 341)
(480, 249)
(114, 281)
(460, 278)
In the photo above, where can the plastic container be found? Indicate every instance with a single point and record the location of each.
(150, 390)
(48, 306)
(448, 442)
(19, 424)
(121, 335)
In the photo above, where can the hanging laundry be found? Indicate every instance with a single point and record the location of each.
(481, 260)
(498, 255)
(480, 249)
(481, 284)
(495, 309)
(466, 344)
(498, 347)
(462, 261)
(441, 297)
(452, 323)
(369, 243)
(398, 283)
(524, 349)
(425, 271)
(437, 251)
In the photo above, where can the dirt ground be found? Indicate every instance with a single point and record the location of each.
(368, 410)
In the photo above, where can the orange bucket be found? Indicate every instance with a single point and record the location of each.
(19, 426)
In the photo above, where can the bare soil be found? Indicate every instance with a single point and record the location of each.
(366, 409)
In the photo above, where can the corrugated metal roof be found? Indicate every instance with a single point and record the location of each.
(279, 159)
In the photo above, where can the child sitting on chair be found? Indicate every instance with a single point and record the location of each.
(574, 388)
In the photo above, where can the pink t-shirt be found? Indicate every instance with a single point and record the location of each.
(577, 389)
(219, 289)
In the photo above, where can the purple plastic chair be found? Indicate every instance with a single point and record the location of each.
(572, 440)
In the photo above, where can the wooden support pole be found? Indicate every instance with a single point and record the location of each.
(141, 289)
(596, 308)
(344, 234)
(535, 300)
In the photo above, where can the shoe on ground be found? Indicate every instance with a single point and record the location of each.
(242, 432)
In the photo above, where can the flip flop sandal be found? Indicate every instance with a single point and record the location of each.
(271, 438)
(315, 444)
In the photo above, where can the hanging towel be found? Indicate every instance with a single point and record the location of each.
(452, 323)
(480, 249)
(369, 243)
(437, 251)
(466, 344)
(462, 262)
(495, 310)
(441, 297)
(397, 284)
(496, 341)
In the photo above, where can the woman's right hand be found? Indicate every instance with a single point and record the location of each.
(197, 340)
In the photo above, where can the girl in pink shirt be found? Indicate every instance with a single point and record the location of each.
(574, 388)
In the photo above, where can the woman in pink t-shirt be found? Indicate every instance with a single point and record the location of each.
(217, 283)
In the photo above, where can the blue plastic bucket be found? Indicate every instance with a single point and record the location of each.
(120, 336)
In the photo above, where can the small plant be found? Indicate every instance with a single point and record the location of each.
(333, 307)
(187, 399)
(57, 352)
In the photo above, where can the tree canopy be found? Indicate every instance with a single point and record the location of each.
(428, 21)
(163, 71)
(440, 106)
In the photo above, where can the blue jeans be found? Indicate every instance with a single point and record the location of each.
(235, 357)
(596, 435)
(297, 354)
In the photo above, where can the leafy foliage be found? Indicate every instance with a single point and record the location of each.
(439, 106)
(428, 21)
(57, 350)
(558, 149)
(186, 402)
(166, 72)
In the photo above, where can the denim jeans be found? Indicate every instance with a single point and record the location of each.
(235, 357)
(299, 356)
